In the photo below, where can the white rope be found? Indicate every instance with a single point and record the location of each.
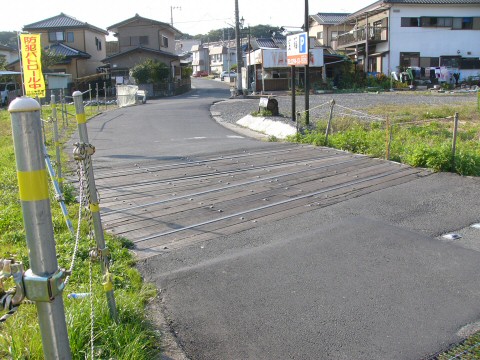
(362, 113)
(77, 236)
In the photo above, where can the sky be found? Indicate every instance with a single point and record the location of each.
(189, 16)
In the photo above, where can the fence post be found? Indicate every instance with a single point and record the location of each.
(55, 140)
(105, 94)
(94, 206)
(37, 217)
(96, 97)
(332, 104)
(454, 141)
(388, 138)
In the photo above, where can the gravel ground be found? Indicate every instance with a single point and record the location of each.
(234, 109)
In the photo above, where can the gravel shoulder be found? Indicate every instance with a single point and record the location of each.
(232, 110)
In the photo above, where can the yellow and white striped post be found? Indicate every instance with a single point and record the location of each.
(94, 205)
(37, 217)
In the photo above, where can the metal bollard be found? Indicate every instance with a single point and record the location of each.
(94, 206)
(37, 217)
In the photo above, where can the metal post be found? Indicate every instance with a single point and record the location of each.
(332, 105)
(388, 138)
(63, 106)
(454, 141)
(239, 50)
(94, 206)
(105, 93)
(37, 217)
(293, 93)
(96, 97)
(307, 72)
(55, 140)
(90, 97)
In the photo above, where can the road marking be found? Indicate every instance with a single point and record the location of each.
(196, 138)
(235, 137)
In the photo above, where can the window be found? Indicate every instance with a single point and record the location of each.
(70, 37)
(409, 22)
(464, 23)
(470, 63)
(164, 41)
(143, 40)
(98, 44)
(56, 36)
(320, 35)
(429, 62)
(444, 22)
(409, 59)
(450, 61)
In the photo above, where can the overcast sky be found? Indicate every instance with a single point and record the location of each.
(189, 16)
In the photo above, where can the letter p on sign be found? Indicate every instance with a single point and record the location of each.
(303, 44)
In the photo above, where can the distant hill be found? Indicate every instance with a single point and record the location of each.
(9, 38)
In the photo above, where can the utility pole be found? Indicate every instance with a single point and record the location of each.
(239, 50)
(171, 12)
(307, 67)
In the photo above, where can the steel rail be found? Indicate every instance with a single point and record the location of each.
(218, 189)
(229, 172)
(286, 201)
(191, 163)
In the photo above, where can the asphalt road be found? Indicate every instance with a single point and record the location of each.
(365, 278)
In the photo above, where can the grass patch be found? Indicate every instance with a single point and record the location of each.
(133, 337)
(427, 143)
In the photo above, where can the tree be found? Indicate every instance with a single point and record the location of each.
(50, 58)
(150, 71)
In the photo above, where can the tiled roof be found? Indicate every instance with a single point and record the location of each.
(62, 21)
(137, 17)
(434, 2)
(270, 43)
(67, 51)
(141, 48)
(329, 18)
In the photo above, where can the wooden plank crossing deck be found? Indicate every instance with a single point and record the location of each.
(163, 206)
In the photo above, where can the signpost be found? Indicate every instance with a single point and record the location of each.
(297, 49)
(297, 54)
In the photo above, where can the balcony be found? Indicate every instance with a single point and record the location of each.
(355, 37)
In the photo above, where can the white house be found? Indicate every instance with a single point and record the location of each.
(425, 35)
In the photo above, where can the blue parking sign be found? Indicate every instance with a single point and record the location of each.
(303, 44)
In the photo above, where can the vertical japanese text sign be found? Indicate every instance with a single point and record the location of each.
(32, 65)
(297, 49)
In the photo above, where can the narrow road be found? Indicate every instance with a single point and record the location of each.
(278, 251)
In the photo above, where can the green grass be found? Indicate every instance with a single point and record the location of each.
(133, 337)
(427, 143)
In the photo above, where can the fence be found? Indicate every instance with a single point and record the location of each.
(431, 142)
(45, 282)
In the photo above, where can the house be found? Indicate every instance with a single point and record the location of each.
(214, 57)
(200, 58)
(140, 39)
(324, 27)
(222, 55)
(268, 69)
(81, 44)
(8, 53)
(432, 37)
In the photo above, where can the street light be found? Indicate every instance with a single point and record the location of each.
(239, 50)
(171, 12)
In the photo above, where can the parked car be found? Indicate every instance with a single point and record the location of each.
(200, 73)
(8, 91)
(225, 74)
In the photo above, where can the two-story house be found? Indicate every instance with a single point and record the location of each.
(81, 44)
(324, 27)
(200, 58)
(140, 39)
(389, 35)
(8, 53)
